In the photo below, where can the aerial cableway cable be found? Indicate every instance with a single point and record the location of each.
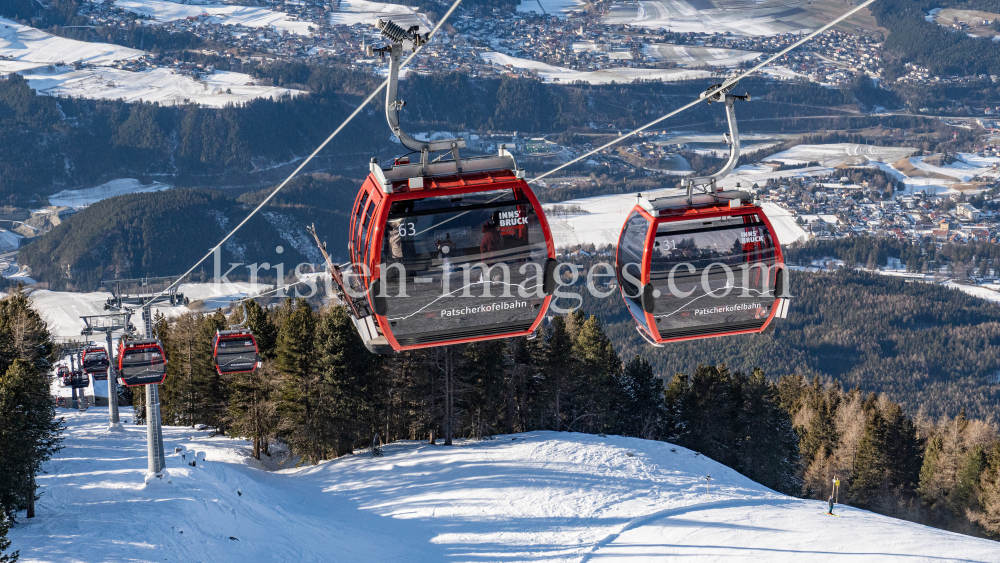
(322, 145)
(725, 86)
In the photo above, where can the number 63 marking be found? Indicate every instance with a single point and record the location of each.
(407, 229)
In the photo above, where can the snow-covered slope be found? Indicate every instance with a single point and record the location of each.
(550, 73)
(541, 496)
(43, 58)
(249, 16)
(83, 198)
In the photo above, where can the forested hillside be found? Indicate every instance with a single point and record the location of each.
(164, 233)
(942, 50)
(929, 348)
(55, 143)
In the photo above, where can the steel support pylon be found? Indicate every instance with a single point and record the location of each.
(154, 433)
(113, 420)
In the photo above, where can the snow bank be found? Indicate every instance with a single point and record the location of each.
(764, 18)
(249, 16)
(550, 7)
(163, 85)
(834, 154)
(550, 73)
(540, 496)
(83, 198)
(41, 59)
(29, 45)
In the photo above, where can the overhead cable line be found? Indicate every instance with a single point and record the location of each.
(729, 83)
(315, 152)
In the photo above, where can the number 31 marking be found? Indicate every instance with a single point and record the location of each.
(407, 229)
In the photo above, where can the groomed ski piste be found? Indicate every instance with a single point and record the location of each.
(538, 496)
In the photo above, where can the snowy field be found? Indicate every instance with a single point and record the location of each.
(41, 59)
(161, 85)
(541, 496)
(691, 55)
(717, 16)
(29, 45)
(550, 73)
(551, 7)
(605, 215)
(83, 198)
(224, 14)
(835, 154)
(62, 309)
(362, 11)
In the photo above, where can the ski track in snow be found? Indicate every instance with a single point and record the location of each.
(539, 496)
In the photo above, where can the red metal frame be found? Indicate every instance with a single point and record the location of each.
(686, 214)
(434, 187)
(215, 350)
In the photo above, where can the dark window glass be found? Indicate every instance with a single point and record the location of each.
(142, 365)
(437, 252)
(629, 260)
(712, 275)
(356, 224)
(236, 354)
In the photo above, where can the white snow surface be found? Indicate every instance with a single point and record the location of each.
(551, 7)
(692, 55)
(29, 45)
(39, 57)
(62, 310)
(740, 18)
(834, 154)
(85, 197)
(362, 11)
(540, 496)
(550, 73)
(162, 85)
(249, 16)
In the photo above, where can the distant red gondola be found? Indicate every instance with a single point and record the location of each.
(703, 264)
(141, 362)
(95, 362)
(235, 351)
(65, 376)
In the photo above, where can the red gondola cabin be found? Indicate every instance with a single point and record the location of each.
(235, 351)
(141, 362)
(95, 362)
(447, 252)
(701, 267)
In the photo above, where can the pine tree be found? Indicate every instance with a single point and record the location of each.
(640, 411)
(211, 397)
(253, 410)
(989, 498)
(599, 367)
(261, 325)
(354, 390)
(5, 524)
(559, 367)
(296, 359)
(29, 434)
